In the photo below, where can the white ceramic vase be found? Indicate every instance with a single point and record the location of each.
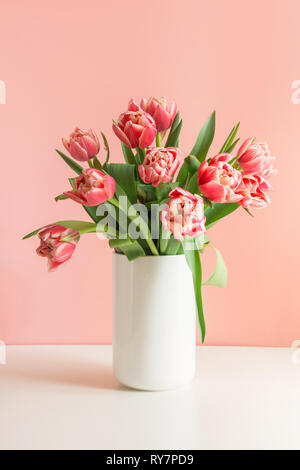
(154, 340)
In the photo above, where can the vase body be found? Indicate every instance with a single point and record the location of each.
(154, 337)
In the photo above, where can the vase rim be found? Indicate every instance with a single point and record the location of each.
(150, 256)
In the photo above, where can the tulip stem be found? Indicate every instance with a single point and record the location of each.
(158, 139)
(146, 232)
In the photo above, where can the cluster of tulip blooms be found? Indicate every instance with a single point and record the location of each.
(194, 192)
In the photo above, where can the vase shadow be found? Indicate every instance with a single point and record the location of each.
(65, 372)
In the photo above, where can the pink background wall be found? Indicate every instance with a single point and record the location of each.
(68, 63)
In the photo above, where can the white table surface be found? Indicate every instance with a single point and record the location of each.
(66, 397)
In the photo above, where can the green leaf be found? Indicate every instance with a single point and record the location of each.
(229, 141)
(173, 138)
(175, 122)
(174, 125)
(180, 250)
(189, 168)
(196, 243)
(192, 185)
(218, 211)
(60, 197)
(248, 212)
(219, 276)
(183, 174)
(231, 148)
(106, 146)
(164, 238)
(146, 243)
(205, 138)
(91, 210)
(69, 161)
(131, 251)
(202, 242)
(194, 262)
(108, 210)
(146, 193)
(128, 154)
(192, 164)
(124, 175)
(140, 154)
(163, 190)
(71, 181)
(77, 225)
(167, 243)
(97, 164)
(172, 246)
(120, 243)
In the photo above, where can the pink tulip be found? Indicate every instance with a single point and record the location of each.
(92, 187)
(255, 158)
(252, 189)
(218, 180)
(82, 145)
(159, 165)
(54, 247)
(162, 112)
(135, 128)
(184, 215)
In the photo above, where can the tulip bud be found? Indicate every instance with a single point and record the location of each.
(82, 145)
(162, 112)
(57, 244)
(135, 128)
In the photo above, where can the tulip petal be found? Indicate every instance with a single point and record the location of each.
(161, 118)
(78, 152)
(133, 106)
(147, 137)
(214, 191)
(122, 136)
(90, 146)
(133, 131)
(72, 195)
(245, 146)
(66, 144)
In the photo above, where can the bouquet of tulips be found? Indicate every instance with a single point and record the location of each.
(158, 203)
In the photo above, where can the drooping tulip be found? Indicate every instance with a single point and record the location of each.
(159, 165)
(162, 112)
(218, 179)
(135, 128)
(82, 145)
(57, 243)
(92, 187)
(184, 214)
